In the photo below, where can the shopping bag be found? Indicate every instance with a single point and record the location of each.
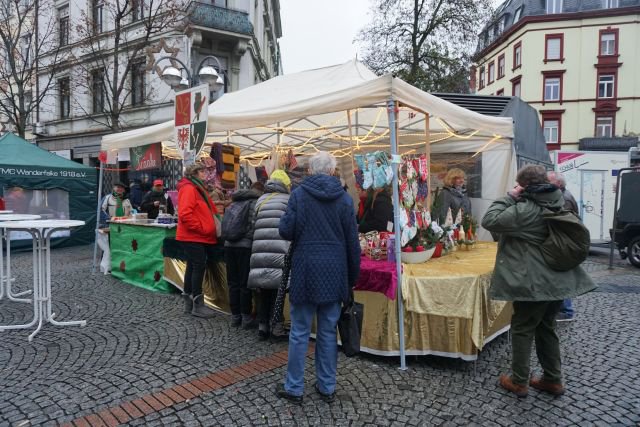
(350, 326)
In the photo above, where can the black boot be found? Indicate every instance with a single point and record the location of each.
(200, 309)
(188, 303)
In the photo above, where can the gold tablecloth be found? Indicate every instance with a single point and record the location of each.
(446, 307)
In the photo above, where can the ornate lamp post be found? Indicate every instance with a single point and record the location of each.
(206, 74)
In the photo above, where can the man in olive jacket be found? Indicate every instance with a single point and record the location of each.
(522, 276)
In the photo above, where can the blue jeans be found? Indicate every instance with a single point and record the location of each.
(567, 307)
(327, 316)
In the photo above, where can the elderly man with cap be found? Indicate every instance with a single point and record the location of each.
(115, 204)
(156, 200)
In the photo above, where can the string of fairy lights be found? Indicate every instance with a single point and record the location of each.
(315, 136)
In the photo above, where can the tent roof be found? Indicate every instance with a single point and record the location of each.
(15, 151)
(308, 108)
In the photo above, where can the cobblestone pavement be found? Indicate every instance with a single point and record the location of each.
(140, 361)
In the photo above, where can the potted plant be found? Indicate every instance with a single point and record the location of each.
(422, 247)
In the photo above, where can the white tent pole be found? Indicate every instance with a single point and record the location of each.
(95, 237)
(392, 110)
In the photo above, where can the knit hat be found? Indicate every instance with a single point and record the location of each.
(280, 175)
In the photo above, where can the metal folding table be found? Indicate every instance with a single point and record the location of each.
(41, 232)
(5, 280)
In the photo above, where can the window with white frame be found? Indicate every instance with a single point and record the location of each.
(517, 56)
(138, 88)
(605, 86)
(608, 44)
(481, 80)
(25, 49)
(98, 90)
(554, 48)
(552, 89)
(501, 66)
(98, 16)
(63, 25)
(64, 97)
(516, 90)
(604, 127)
(492, 72)
(551, 131)
(137, 10)
(608, 4)
(517, 14)
(554, 6)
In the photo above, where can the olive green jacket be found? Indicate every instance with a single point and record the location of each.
(521, 273)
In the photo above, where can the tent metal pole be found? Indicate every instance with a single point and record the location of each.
(95, 236)
(392, 111)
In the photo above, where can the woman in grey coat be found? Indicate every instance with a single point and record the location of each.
(268, 249)
(453, 196)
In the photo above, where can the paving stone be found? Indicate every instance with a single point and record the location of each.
(138, 343)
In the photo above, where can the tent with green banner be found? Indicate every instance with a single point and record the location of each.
(35, 181)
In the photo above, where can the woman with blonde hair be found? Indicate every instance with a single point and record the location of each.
(453, 196)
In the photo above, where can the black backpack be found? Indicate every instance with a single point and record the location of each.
(235, 222)
(567, 245)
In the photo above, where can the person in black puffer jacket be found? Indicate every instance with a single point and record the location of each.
(237, 256)
(268, 249)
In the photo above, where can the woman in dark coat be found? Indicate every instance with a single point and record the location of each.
(321, 224)
(378, 214)
(453, 196)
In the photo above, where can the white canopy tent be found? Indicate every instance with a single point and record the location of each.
(347, 109)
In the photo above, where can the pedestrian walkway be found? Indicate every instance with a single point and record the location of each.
(141, 361)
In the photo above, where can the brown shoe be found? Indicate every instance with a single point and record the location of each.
(557, 389)
(517, 389)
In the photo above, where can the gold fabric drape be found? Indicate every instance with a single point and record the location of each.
(214, 287)
(447, 308)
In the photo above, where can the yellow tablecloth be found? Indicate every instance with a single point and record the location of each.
(447, 308)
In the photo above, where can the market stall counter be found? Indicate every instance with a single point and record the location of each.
(447, 309)
(136, 253)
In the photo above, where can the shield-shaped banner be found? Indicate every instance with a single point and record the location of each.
(191, 115)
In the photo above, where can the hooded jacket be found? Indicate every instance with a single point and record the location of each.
(321, 223)
(241, 197)
(268, 248)
(195, 218)
(521, 273)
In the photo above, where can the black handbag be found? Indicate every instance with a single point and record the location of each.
(350, 326)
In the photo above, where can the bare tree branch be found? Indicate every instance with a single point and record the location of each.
(428, 43)
(19, 50)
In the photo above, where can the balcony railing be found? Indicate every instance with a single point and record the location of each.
(220, 18)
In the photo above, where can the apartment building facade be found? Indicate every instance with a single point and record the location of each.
(575, 61)
(242, 34)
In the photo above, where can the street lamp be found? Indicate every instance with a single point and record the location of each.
(206, 74)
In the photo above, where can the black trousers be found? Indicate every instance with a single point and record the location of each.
(197, 254)
(240, 298)
(266, 301)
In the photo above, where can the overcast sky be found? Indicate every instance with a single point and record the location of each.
(319, 33)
